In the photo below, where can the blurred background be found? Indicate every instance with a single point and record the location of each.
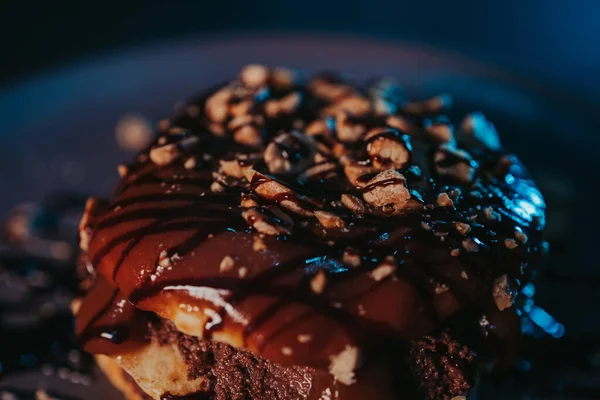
(553, 41)
(73, 72)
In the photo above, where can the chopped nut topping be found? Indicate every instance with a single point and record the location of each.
(165, 154)
(521, 236)
(455, 252)
(254, 76)
(444, 200)
(351, 258)
(463, 274)
(354, 204)
(510, 243)
(284, 106)
(289, 153)
(257, 218)
(383, 270)
(287, 351)
(323, 88)
(441, 288)
(388, 191)
(323, 170)
(259, 244)
(492, 215)
(433, 105)
(329, 220)
(400, 123)
(226, 264)
(386, 148)
(318, 282)
(241, 108)
(476, 126)
(504, 292)
(242, 272)
(342, 365)
(163, 259)
(304, 338)
(122, 170)
(190, 163)
(346, 130)
(248, 135)
(440, 131)
(456, 163)
(273, 190)
(470, 245)
(356, 105)
(462, 227)
(216, 106)
(283, 78)
(248, 201)
(355, 171)
(317, 128)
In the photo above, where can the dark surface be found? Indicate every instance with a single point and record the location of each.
(551, 40)
(68, 119)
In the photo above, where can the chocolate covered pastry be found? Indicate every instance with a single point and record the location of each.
(289, 238)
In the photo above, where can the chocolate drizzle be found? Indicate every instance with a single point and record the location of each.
(168, 228)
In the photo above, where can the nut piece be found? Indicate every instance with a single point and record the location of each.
(122, 170)
(520, 236)
(342, 365)
(318, 282)
(462, 228)
(387, 190)
(226, 264)
(351, 258)
(248, 135)
(510, 243)
(325, 88)
(387, 148)
(444, 200)
(283, 78)
(454, 163)
(476, 127)
(321, 171)
(433, 105)
(272, 190)
(217, 105)
(289, 153)
(470, 245)
(440, 130)
(259, 244)
(400, 123)
(283, 106)
(504, 292)
(354, 204)
(254, 76)
(354, 104)
(357, 173)
(233, 168)
(492, 215)
(164, 155)
(267, 221)
(384, 270)
(329, 220)
(248, 201)
(347, 130)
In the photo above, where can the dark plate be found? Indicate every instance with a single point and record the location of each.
(57, 131)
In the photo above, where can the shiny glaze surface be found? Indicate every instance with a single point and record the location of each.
(266, 301)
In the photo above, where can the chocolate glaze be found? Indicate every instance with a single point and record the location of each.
(166, 231)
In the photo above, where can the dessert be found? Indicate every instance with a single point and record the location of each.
(290, 238)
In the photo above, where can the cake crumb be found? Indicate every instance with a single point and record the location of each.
(318, 282)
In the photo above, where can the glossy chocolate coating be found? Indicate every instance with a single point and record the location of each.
(177, 215)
